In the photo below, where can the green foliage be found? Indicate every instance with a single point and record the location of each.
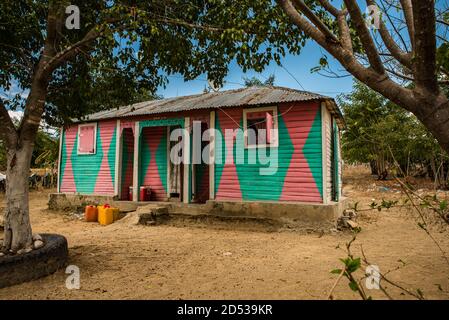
(146, 41)
(45, 153)
(351, 265)
(385, 204)
(378, 129)
(254, 81)
(46, 149)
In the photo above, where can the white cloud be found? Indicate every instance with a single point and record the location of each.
(15, 115)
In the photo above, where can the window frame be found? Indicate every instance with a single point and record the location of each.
(275, 138)
(92, 124)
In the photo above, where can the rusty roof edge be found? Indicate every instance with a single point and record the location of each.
(126, 111)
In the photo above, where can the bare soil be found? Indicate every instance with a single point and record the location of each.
(120, 261)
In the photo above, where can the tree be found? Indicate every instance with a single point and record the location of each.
(382, 134)
(132, 44)
(254, 81)
(386, 59)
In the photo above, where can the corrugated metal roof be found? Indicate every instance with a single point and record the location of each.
(250, 96)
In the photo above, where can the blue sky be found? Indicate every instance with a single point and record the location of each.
(300, 76)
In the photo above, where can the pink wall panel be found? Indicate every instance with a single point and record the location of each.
(68, 180)
(229, 187)
(299, 183)
(104, 183)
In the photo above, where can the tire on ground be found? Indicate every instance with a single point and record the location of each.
(35, 264)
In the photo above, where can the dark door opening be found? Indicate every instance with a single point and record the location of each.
(200, 168)
(176, 170)
(127, 161)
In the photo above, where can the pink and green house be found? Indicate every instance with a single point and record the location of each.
(112, 152)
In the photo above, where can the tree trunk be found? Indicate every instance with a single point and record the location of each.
(433, 112)
(17, 234)
(373, 166)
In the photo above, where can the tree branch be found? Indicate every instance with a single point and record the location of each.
(403, 57)
(331, 9)
(55, 19)
(365, 37)
(343, 28)
(408, 14)
(73, 50)
(345, 34)
(315, 20)
(379, 82)
(424, 58)
(8, 131)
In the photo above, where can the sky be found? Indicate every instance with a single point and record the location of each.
(295, 73)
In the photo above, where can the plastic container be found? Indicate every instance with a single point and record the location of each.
(91, 214)
(145, 193)
(116, 212)
(102, 207)
(105, 215)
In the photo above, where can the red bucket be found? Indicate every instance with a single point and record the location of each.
(145, 193)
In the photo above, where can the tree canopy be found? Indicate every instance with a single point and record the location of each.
(397, 57)
(254, 81)
(126, 49)
(381, 133)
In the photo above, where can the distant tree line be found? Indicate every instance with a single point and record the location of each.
(389, 138)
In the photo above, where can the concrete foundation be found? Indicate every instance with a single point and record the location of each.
(289, 213)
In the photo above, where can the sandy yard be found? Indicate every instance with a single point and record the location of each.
(199, 262)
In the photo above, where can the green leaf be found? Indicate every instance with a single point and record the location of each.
(353, 285)
(443, 205)
(336, 271)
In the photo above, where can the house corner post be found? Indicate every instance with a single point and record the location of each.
(212, 156)
(136, 161)
(58, 181)
(186, 161)
(118, 158)
(324, 151)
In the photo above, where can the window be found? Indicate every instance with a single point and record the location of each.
(87, 137)
(260, 127)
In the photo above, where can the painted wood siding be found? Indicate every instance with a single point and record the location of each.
(340, 164)
(297, 161)
(89, 173)
(153, 161)
(328, 126)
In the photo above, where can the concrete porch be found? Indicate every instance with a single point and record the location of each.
(296, 213)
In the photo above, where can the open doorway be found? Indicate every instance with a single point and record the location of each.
(175, 170)
(127, 161)
(200, 168)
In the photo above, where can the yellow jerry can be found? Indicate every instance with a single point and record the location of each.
(105, 215)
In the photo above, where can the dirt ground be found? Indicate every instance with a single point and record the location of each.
(166, 262)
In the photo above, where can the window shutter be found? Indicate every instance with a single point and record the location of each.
(269, 118)
(86, 139)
